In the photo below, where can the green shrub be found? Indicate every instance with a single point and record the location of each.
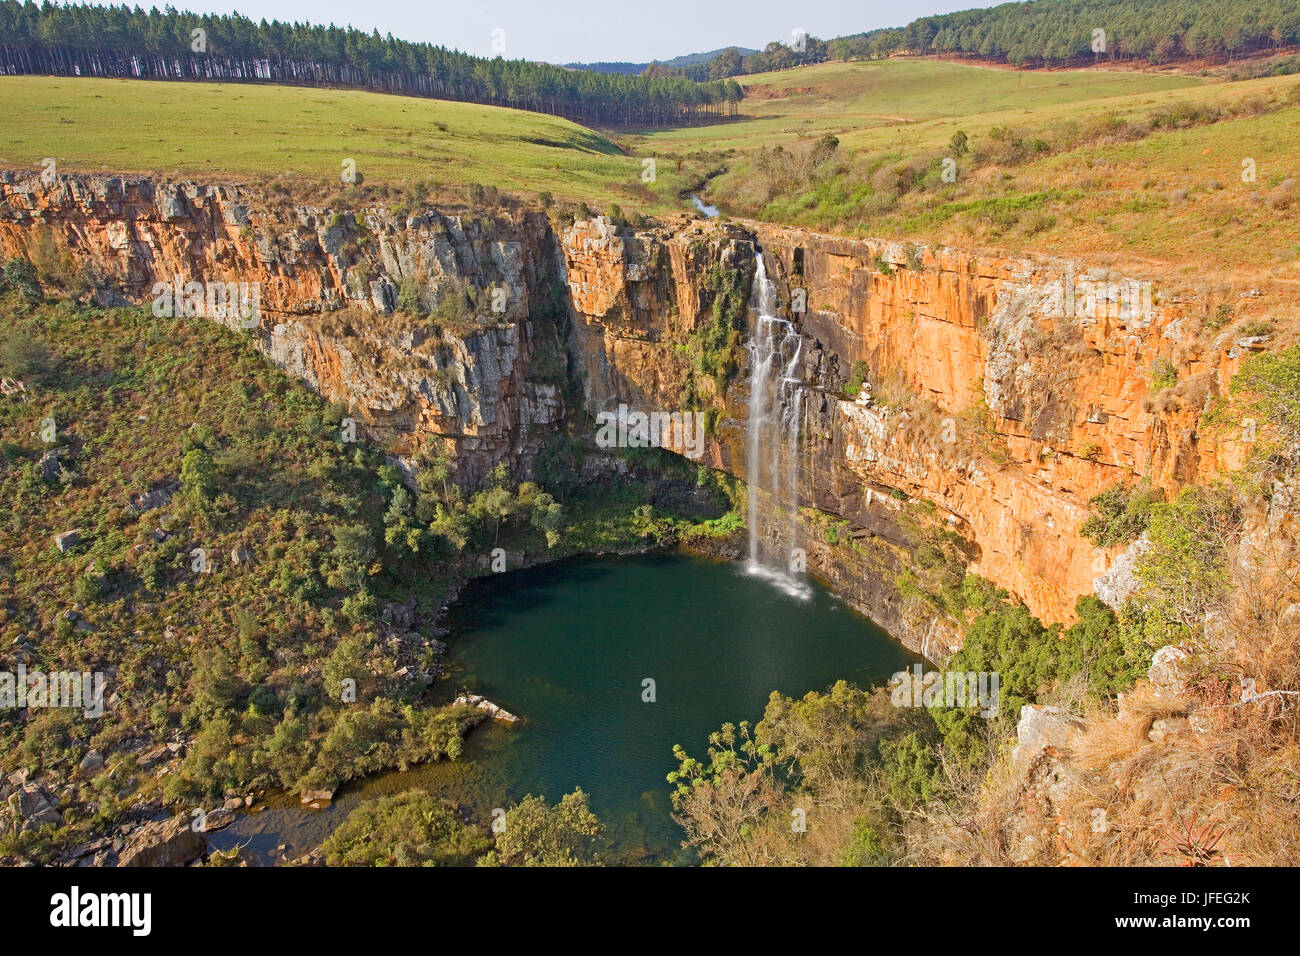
(1185, 570)
(1120, 515)
(537, 834)
(1163, 375)
(861, 372)
(1268, 386)
(407, 829)
(20, 276)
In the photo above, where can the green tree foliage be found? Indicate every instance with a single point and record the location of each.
(1055, 32)
(20, 276)
(910, 770)
(1032, 660)
(89, 40)
(822, 736)
(1120, 515)
(349, 561)
(547, 516)
(538, 834)
(1268, 386)
(1184, 573)
(866, 847)
(493, 505)
(406, 829)
(199, 475)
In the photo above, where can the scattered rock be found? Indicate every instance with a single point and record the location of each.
(33, 806)
(316, 799)
(1041, 728)
(482, 703)
(92, 763)
(218, 819)
(1166, 671)
(241, 556)
(94, 847)
(149, 500)
(163, 843)
(50, 469)
(400, 616)
(153, 755)
(67, 539)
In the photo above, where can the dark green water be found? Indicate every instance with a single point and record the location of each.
(567, 648)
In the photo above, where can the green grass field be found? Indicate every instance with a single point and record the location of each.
(252, 131)
(1167, 193)
(1105, 178)
(843, 97)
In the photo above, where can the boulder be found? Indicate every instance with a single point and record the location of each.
(92, 763)
(317, 798)
(494, 711)
(163, 843)
(1041, 728)
(149, 500)
(67, 539)
(241, 556)
(1119, 582)
(1166, 672)
(33, 806)
(218, 819)
(50, 469)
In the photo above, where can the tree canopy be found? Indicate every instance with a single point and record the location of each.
(87, 40)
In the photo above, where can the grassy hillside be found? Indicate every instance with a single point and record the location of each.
(239, 663)
(1147, 166)
(840, 97)
(250, 131)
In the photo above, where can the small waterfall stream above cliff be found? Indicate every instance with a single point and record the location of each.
(772, 434)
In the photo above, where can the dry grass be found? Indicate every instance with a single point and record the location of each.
(1192, 774)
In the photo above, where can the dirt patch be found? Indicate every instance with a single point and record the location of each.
(760, 92)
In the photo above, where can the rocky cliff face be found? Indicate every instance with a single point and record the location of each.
(1009, 392)
(1006, 392)
(328, 285)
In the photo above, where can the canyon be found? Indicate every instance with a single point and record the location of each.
(1002, 393)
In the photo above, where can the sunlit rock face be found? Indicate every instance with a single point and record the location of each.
(1005, 391)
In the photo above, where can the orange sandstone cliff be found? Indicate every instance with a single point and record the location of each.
(1006, 392)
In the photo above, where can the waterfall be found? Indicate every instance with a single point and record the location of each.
(776, 394)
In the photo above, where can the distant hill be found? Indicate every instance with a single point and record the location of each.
(624, 67)
(1062, 32)
(1040, 33)
(83, 39)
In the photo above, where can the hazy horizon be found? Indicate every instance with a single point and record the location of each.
(568, 31)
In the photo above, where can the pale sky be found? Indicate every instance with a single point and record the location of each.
(563, 31)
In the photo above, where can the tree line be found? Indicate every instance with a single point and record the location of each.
(1059, 32)
(1042, 33)
(120, 41)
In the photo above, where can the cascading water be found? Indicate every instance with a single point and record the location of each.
(772, 433)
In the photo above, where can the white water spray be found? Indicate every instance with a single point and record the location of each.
(772, 434)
